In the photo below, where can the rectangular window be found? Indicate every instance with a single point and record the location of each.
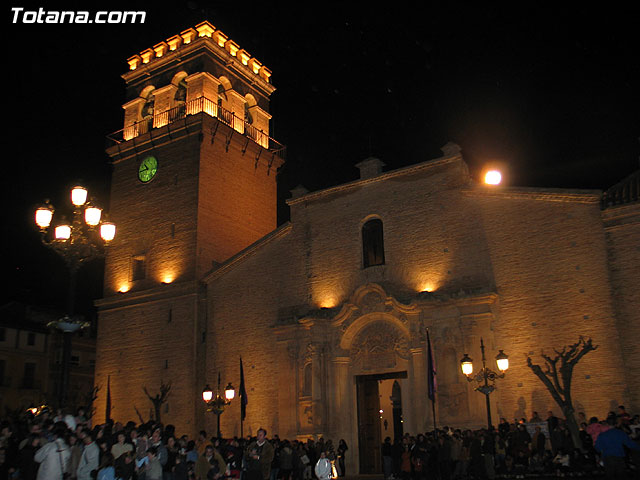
(31, 339)
(3, 334)
(138, 267)
(29, 378)
(75, 360)
(372, 243)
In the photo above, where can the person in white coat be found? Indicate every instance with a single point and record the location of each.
(54, 456)
(323, 467)
(90, 458)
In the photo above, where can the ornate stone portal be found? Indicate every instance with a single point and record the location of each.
(374, 336)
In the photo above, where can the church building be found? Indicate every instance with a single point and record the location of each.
(330, 311)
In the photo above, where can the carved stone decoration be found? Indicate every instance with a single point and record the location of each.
(372, 302)
(377, 346)
(308, 354)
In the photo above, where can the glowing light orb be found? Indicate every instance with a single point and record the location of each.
(493, 177)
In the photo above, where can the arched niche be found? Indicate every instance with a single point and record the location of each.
(179, 81)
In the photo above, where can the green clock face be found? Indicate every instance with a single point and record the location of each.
(148, 168)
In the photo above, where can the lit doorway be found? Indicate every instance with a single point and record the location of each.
(379, 416)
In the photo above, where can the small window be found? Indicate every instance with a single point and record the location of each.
(138, 267)
(75, 360)
(372, 243)
(31, 339)
(3, 334)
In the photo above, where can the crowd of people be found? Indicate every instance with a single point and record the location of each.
(520, 449)
(48, 447)
(60, 446)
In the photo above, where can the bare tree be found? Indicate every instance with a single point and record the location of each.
(139, 415)
(557, 376)
(159, 398)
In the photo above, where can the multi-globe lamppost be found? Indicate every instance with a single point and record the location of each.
(216, 403)
(76, 242)
(485, 376)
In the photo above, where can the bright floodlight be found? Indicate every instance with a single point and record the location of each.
(493, 177)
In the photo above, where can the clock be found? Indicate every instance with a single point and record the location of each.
(147, 169)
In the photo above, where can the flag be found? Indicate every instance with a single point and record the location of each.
(431, 371)
(243, 394)
(108, 407)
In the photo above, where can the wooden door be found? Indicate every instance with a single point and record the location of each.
(368, 424)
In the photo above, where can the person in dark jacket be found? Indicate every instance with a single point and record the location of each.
(28, 466)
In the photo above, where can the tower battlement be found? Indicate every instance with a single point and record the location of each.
(224, 47)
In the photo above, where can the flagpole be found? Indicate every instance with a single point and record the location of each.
(431, 380)
(108, 405)
(433, 407)
(243, 400)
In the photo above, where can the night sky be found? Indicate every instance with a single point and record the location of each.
(552, 95)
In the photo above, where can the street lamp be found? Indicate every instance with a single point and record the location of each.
(77, 242)
(485, 377)
(216, 403)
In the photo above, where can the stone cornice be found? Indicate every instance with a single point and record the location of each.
(309, 197)
(134, 298)
(460, 299)
(205, 36)
(621, 211)
(190, 125)
(621, 216)
(530, 193)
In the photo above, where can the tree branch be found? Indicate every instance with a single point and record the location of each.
(544, 379)
(553, 372)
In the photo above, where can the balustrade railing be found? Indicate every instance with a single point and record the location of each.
(626, 191)
(193, 107)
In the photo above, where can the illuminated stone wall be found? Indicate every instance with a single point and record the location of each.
(524, 269)
(622, 227)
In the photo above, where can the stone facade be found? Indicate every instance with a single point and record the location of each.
(523, 269)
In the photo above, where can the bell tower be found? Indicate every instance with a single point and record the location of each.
(194, 183)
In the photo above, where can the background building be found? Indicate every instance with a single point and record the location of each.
(30, 360)
(330, 310)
